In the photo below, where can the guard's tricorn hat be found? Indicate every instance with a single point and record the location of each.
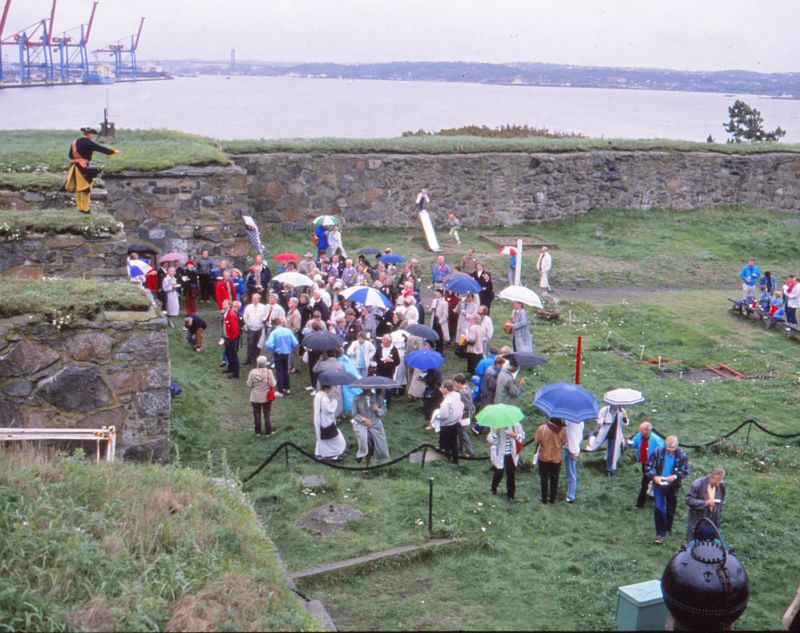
(89, 130)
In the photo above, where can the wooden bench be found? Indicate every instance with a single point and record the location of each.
(107, 434)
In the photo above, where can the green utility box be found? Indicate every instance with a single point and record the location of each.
(641, 607)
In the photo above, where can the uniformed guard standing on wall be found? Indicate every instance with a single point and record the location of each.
(81, 173)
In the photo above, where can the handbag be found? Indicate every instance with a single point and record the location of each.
(461, 350)
(270, 394)
(508, 326)
(328, 432)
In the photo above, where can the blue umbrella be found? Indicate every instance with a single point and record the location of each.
(367, 296)
(424, 359)
(565, 401)
(462, 285)
(392, 258)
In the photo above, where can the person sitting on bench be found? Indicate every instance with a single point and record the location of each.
(765, 299)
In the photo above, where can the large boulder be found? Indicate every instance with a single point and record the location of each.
(151, 346)
(10, 416)
(26, 359)
(76, 389)
(90, 346)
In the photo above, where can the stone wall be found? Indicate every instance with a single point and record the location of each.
(183, 209)
(113, 370)
(89, 257)
(487, 189)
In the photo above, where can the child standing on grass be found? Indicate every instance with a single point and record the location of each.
(455, 224)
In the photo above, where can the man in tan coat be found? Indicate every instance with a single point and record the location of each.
(550, 439)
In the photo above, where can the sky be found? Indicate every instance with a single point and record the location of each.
(758, 35)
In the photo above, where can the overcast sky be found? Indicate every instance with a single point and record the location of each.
(758, 35)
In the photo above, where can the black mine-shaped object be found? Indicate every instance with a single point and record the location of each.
(705, 586)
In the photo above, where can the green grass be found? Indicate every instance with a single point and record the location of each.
(477, 144)
(27, 181)
(564, 563)
(56, 222)
(41, 155)
(126, 547)
(65, 300)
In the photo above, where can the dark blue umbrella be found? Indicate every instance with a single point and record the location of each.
(375, 382)
(424, 359)
(392, 258)
(321, 341)
(369, 250)
(462, 285)
(565, 401)
(525, 359)
(336, 378)
(423, 331)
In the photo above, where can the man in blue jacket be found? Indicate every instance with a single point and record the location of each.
(750, 275)
(321, 235)
(645, 443)
(668, 466)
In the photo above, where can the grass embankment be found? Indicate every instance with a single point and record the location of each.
(535, 566)
(68, 299)
(37, 159)
(126, 547)
(478, 144)
(56, 222)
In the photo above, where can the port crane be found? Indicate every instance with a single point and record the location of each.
(125, 57)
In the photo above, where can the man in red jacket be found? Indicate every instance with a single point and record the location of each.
(230, 328)
(225, 290)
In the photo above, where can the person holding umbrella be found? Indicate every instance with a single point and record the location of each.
(505, 438)
(368, 427)
(321, 239)
(610, 420)
(521, 340)
(550, 440)
(387, 360)
(330, 441)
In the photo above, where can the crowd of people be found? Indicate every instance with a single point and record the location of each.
(779, 301)
(269, 320)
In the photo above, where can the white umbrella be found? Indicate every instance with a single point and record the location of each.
(293, 279)
(521, 294)
(623, 397)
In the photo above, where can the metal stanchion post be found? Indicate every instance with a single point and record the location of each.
(430, 507)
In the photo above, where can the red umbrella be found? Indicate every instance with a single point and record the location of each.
(508, 250)
(287, 257)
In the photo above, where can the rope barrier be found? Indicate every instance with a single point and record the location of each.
(285, 446)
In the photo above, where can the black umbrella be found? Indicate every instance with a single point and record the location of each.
(141, 249)
(375, 382)
(335, 378)
(369, 250)
(423, 331)
(321, 341)
(525, 359)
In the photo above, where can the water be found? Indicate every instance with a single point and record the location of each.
(282, 107)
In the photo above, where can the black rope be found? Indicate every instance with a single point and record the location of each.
(431, 447)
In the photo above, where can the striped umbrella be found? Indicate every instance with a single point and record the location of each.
(138, 268)
(367, 296)
(326, 220)
(508, 250)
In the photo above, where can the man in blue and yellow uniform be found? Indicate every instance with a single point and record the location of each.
(81, 174)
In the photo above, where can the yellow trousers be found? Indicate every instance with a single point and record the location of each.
(76, 182)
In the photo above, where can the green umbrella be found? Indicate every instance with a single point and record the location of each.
(499, 416)
(326, 220)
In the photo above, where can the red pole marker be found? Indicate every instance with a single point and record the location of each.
(578, 361)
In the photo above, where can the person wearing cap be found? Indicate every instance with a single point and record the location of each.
(191, 286)
(306, 265)
(543, 265)
(81, 174)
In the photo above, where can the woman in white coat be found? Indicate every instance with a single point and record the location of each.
(170, 287)
(610, 420)
(330, 441)
(504, 454)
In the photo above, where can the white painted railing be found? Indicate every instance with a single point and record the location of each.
(107, 434)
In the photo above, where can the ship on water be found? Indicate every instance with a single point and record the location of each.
(102, 75)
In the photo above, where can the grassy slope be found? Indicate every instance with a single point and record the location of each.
(57, 221)
(473, 144)
(129, 547)
(70, 298)
(566, 562)
(37, 159)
